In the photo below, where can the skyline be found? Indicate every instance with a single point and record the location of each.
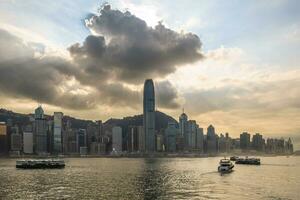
(238, 86)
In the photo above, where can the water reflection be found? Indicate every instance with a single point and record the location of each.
(161, 178)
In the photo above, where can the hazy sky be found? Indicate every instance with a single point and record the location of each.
(233, 64)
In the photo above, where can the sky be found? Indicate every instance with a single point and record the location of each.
(233, 64)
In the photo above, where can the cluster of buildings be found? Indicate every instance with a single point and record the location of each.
(45, 135)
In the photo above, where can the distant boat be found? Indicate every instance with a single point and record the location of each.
(248, 161)
(40, 164)
(225, 166)
(234, 158)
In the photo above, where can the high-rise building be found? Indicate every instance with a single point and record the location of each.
(117, 139)
(222, 143)
(211, 140)
(245, 141)
(191, 134)
(149, 115)
(183, 135)
(16, 142)
(200, 140)
(258, 142)
(27, 142)
(3, 138)
(81, 141)
(40, 132)
(141, 136)
(289, 148)
(171, 134)
(133, 139)
(57, 132)
(39, 113)
(159, 142)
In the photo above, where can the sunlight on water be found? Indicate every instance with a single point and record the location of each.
(157, 178)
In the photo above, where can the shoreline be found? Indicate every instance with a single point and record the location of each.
(157, 155)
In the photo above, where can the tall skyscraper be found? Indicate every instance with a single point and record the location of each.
(183, 135)
(245, 141)
(141, 136)
(257, 142)
(171, 133)
(191, 134)
(57, 135)
(183, 123)
(200, 140)
(40, 131)
(211, 140)
(149, 115)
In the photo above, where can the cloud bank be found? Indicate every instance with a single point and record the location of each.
(121, 52)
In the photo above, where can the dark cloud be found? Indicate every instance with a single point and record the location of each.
(129, 50)
(123, 50)
(167, 95)
(38, 78)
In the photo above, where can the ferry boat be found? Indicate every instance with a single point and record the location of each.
(225, 166)
(40, 164)
(248, 161)
(234, 158)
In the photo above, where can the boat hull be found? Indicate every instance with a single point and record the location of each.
(40, 166)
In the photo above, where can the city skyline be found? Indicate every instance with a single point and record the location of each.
(222, 79)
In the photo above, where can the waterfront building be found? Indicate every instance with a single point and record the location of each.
(171, 134)
(16, 142)
(141, 136)
(258, 142)
(117, 139)
(159, 142)
(199, 140)
(133, 139)
(149, 115)
(57, 132)
(211, 140)
(69, 139)
(245, 141)
(183, 126)
(40, 132)
(191, 134)
(3, 138)
(27, 142)
(97, 148)
(222, 144)
(81, 140)
(289, 148)
(50, 136)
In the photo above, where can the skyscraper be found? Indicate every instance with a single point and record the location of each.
(170, 134)
(211, 140)
(57, 136)
(149, 115)
(40, 131)
(245, 141)
(183, 136)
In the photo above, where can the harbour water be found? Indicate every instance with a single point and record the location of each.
(155, 178)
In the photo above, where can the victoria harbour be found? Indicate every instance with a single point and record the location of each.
(153, 178)
(139, 99)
